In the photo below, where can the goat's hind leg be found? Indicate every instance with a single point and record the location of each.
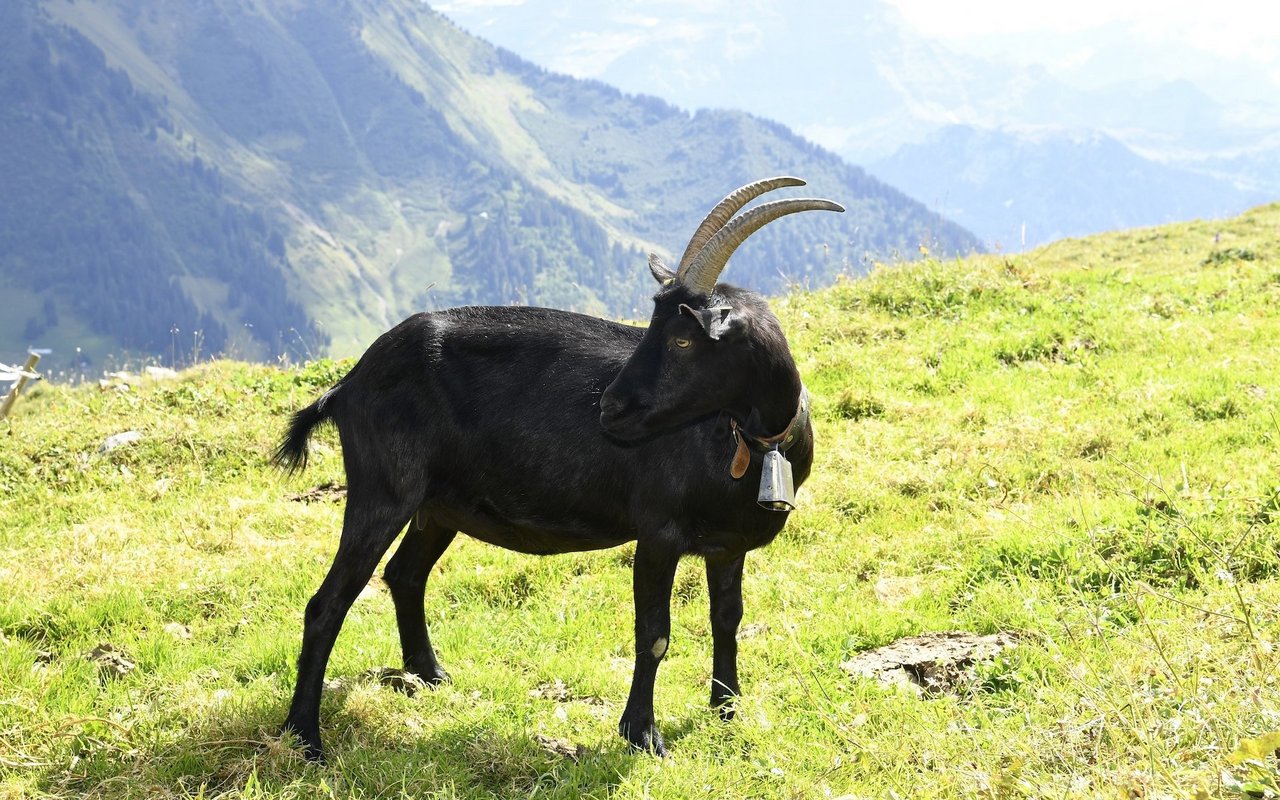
(406, 577)
(370, 524)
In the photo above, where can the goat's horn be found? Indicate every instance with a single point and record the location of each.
(701, 274)
(725, 210)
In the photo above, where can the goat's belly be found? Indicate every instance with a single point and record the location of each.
(731, 544)
(524, 536)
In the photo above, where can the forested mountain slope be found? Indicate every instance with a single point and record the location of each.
(260, 178)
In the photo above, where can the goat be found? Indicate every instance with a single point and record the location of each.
(545, 431)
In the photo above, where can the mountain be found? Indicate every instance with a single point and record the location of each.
(842, 70)
(1031, 187)
(857, 77)
(279, 177)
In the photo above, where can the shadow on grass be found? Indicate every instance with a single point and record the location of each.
(237, 749)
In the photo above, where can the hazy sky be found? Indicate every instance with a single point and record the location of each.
(1225, 26)
(1239, 30)
(1244, 31)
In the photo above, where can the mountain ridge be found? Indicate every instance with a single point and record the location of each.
(867, 80)
(1088, 181)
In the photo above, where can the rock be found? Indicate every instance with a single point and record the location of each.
(112, 662)
(327, 492)
(932, 663)
(561, 747)
(894, 591)
(119, 440)
(555, 690)
(397, 679)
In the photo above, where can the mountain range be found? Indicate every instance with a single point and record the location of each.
(1122, 131)
(1031, 187)
(283, 178)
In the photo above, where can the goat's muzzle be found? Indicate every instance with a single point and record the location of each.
(620, 417)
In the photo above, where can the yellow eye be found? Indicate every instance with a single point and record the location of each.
(681, 342)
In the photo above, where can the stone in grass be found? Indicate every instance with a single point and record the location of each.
(112, 661)
(558, 691)
(562, 748)
(554, 690)
(118, 440)
(177, 630)
(397, 679)
(328, 492)
(931, 663)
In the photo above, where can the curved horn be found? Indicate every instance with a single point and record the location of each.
(701, 274)
(725, 210)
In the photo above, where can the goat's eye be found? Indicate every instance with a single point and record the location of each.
(681, 343)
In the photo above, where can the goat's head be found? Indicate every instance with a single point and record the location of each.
(707, 343)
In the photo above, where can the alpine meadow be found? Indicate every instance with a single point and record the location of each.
(1073, 451)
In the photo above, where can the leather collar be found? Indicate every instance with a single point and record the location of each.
(782, 441)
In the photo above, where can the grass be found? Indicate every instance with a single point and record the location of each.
(1078, 445)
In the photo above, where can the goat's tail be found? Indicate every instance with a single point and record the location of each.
(292, 453)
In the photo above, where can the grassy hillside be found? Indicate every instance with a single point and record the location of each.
(1078, 446)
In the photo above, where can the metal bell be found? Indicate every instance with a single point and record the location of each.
(777, 488)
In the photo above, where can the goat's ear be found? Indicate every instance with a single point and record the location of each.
(659, 270)
(720, 322)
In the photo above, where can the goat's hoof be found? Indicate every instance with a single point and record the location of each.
(312, 750)
(413, 681)
(644, 737)
(431, 674)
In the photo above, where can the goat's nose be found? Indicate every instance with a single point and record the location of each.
(610, 405)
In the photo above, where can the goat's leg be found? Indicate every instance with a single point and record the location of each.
(406, 576)
(724, 587)
(367, 532)
(653, 575)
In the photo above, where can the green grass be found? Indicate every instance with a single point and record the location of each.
(1078, 445)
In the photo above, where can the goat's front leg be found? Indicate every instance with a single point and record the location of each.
(724, 588)
(654, 572)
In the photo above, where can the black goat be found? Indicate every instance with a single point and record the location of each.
(549, 432)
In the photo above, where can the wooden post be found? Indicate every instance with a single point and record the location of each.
(12, 397)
